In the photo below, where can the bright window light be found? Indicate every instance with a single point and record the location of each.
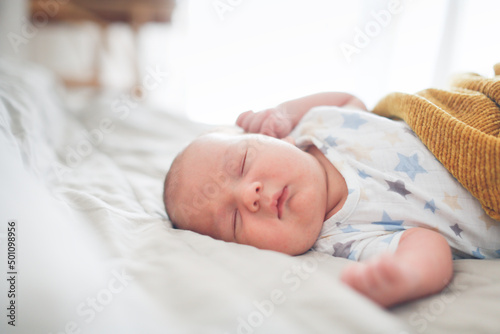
(241, 55)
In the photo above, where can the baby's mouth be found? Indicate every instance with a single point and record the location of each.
(281, 201)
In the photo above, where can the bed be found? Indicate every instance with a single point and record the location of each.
(94, 252)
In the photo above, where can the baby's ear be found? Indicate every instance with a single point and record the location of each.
(289, 140)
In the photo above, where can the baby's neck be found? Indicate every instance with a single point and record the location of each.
(336, 186)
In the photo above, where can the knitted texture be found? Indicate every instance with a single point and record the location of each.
(461, 127)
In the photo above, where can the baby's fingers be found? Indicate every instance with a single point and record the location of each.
(244, 119)
(251, 121)
(277, 125)
(270, 122)
(271, 127)
(256, 120)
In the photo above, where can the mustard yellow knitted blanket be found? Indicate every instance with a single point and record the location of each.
(461, 127)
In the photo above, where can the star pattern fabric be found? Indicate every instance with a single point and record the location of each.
(389, 224)
(388, 239)
(477, 253)
(455, 228)
(409, 165)
(410, 132)
(332, 141)
(352, 121)
(398, 187)
(349, 229)
(430, 205)
(360, 152)
(342, 249)
(363, 174)
(487, 220)
(392, 138)
(452, 201)
(394, 184)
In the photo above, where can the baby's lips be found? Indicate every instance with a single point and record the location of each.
(278, 201)
(275, 201)
(281, 201)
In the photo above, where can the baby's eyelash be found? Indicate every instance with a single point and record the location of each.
(234, 222)
(243, 163)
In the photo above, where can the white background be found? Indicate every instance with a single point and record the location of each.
(227, 56)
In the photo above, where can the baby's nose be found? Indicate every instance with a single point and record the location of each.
(252, 196)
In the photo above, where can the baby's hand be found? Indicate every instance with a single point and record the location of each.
(385, 280)
(272, 122)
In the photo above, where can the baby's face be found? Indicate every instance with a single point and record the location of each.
(254, 190)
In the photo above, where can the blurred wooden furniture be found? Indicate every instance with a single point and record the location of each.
(104, 12)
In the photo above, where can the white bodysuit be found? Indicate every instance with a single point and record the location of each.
(394, 183)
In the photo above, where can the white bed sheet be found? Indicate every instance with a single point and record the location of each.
(96, 253)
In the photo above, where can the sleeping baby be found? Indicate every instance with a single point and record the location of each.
(321, 173)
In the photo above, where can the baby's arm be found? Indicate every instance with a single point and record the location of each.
(279, 121)
(422, 265)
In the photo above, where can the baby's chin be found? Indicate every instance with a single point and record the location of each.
(297, 251)
(298, 247)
